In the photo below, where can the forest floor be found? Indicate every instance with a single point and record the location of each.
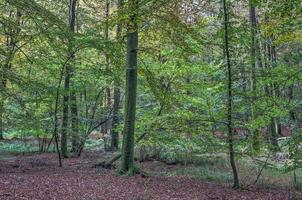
(38, 176)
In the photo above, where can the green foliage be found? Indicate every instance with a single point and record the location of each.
(182, 88)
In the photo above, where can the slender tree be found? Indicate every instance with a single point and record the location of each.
(127, 164)
(229, 96)
(116, 93)
(73, 95)
(68, 73)
(107, 62)
(254, 44)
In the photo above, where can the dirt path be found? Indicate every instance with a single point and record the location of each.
(39, 177)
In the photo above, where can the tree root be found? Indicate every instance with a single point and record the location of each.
(110, 163)
(134, 170)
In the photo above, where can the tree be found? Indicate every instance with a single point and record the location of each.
(229, 96)
(253, 28)
(68, 75)
(127, 163)
(116, 93)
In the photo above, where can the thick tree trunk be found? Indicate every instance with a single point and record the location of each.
(229, 97)
(127, 164)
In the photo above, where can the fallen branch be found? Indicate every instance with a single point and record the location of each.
(110, 163)
(261, 170)
(81, 147)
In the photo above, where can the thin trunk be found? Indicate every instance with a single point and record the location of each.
(1, 120)
(229, 96)
(115, 119)
(55, 131)
(254, 43)
(275, 127)
(107, 60)
(127, 164)
(292, 115)
(73, 95)
(65, 112)
(74, 122)
(116, 95)
(274, 133)
(68, 74)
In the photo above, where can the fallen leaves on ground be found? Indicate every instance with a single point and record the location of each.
(38, 177)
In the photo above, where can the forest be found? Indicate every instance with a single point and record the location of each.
(150, 99)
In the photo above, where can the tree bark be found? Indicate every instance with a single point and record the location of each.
(115, 119)
(68, 75)
(275, 127)
(74, 122)
(65, 112)
(254, 44)
(229, 97)
(292, 115)
(127, 164)
(73, 96)
(116, 94)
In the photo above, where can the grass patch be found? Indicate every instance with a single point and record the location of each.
(93, 144)
(17, 147)
(204, 173)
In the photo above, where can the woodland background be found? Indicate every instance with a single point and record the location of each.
(212, 87)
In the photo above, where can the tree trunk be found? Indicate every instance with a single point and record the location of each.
(115, 119)
(254, 44)
(127, 164)
(74, 122)
(275, 127)
(274, 133)
(229, 97)
(73, 96)
(292, 115)
(108, 104)
(1, 120)
(65, 112)
(68, 74)
(116, 95)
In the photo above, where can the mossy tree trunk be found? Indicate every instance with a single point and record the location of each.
(127, 163)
